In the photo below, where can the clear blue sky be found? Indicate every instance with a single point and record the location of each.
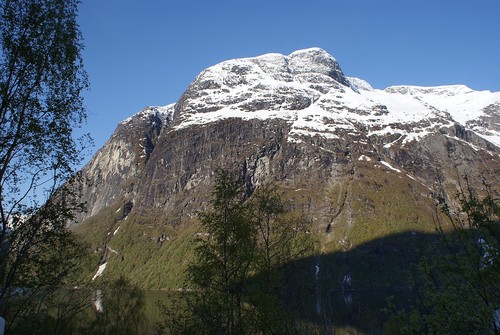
(146, 52)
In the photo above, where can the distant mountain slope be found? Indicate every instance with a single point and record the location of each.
(360, 163)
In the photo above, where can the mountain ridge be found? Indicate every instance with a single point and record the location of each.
(222, 91)
(359, 163)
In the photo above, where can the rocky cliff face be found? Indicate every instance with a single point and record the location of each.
(112, 173)
(360, 163)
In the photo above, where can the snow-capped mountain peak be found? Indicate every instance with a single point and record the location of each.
(361, 166)
(165, 113)
(309, 90)
(360, 84)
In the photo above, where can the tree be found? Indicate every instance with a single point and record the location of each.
(41, 80)
(224, 259)
(280, 239)
(123, 310)
(236, 280)
(459, 291)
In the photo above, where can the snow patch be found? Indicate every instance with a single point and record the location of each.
(360, 84)
(98, 301)
(100, 271)
(364, 158)
(300, 90)
(389, 166)
(113, 251)
(412, 178)
(163, 112)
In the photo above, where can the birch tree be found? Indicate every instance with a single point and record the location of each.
(41, 81)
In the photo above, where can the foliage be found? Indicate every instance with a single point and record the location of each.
(239, 271)
(41, 78)
(52, 298)
(280, 240)
(459, 291)
(62, 312)
(123, 309)
(224, 260)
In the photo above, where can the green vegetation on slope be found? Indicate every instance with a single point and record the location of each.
(153, 252)
(150, 251)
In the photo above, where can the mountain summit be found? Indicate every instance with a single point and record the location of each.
(309, 89)
(360, 163)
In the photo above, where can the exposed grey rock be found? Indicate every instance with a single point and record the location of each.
(298, 121)
(113, 171)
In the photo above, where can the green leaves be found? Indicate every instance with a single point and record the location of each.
(224, 257)
(41, 79)
(240, 269)
(459, 290)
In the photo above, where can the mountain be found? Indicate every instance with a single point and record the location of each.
(360, 163)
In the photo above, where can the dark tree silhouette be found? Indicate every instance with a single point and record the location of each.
(41, 80)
